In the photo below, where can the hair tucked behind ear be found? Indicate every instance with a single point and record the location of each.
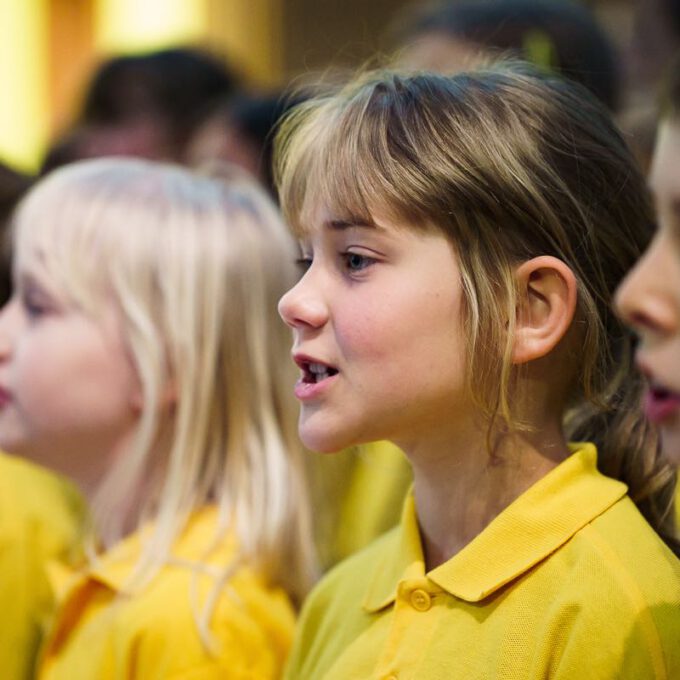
(510, 164)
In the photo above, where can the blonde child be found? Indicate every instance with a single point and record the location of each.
(649, 298)
(142, 357)
(462, 238)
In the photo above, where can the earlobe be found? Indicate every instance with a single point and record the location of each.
(547, 293)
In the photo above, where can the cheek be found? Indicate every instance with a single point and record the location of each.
(406, 334)
(67, 385)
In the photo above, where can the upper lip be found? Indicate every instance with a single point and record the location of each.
(303, 361)
(5, 394)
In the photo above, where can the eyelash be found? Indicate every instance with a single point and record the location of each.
(34, 308)
(303, 263)
(364, 261)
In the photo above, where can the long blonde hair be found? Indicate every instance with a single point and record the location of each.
(509, 163)
(195, 266)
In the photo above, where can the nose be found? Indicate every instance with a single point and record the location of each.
(303, 306)
(645, 300)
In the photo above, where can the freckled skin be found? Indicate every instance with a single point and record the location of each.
(383, 306)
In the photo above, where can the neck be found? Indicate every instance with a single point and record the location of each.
(129, 502)
(460, 489)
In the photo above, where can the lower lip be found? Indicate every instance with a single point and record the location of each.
(305, 391)
(5, 397)
(658, 409)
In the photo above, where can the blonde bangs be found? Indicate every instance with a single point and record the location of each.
(337, 152)
(53, 239)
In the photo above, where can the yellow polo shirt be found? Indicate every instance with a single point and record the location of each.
(41, 519)
(103, 633)
(569, 581)
(359, 496)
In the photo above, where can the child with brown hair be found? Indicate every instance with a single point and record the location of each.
(461, 239)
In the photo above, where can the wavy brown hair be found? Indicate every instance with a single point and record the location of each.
(509, 163)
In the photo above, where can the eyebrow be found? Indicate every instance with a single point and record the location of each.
(341, 225)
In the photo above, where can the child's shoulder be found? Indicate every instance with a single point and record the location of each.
(249, 622)
(623, 545)
(195, 615)
(616, 582)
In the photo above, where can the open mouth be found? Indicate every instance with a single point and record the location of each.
(660, 403)
(315, 373)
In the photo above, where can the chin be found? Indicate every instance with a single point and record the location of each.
(323, 437)
(321, 442)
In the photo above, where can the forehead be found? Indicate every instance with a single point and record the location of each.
(664, 178)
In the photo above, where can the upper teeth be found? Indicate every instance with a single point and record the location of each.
(318, 368)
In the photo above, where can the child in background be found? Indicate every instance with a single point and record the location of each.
(142, 356)
(144, 105)
(649, 298)
(561, 35)
(462, 238)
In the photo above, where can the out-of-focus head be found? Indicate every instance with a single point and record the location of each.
(148, 105)
(241, 131)
(559, 34)
(649, 299)
(192, 267)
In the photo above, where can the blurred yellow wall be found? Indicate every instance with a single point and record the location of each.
(136, 25)
(24, 105)
(45, 58)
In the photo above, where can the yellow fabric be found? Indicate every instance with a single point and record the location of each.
(41, 519)
(372, 503)
(567, 582)
(103, 631)
(358, 493)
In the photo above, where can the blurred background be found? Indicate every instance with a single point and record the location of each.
(50, 51)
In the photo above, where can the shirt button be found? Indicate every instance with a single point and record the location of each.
(421, 600)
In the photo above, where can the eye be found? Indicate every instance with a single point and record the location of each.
(355, 262)
(36, 304)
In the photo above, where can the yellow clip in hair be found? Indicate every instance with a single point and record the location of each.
(539, 49)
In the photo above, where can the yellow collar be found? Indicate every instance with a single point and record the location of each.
(542, 519)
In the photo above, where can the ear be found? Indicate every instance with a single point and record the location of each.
(546, 306)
